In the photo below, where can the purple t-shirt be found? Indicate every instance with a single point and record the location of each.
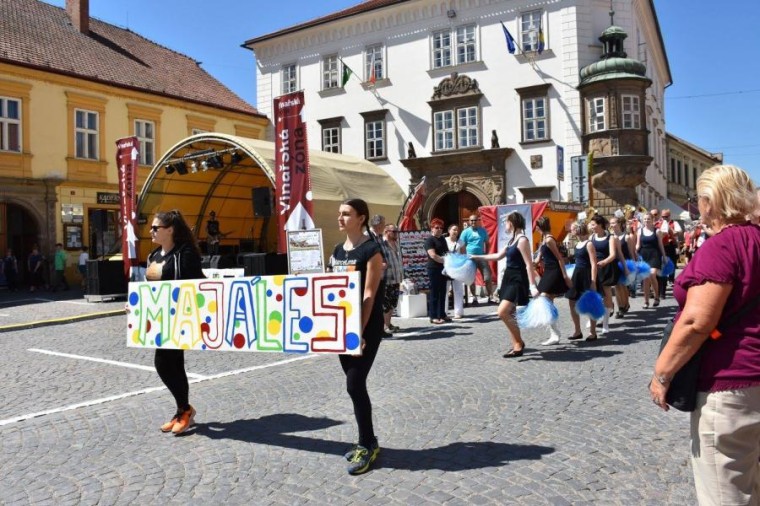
(732, 257)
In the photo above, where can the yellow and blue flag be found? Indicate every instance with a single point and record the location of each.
(541, 42)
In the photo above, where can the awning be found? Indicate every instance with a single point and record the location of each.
(228, 190)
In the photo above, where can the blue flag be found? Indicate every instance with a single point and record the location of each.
(510, 39)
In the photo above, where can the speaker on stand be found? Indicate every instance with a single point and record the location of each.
(262, 208)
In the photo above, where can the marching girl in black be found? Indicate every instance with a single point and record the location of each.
(650, 249)
(555, 280)
(518, 279)
(617, 229)
(583, 279)
(606, 246)
(360, 253)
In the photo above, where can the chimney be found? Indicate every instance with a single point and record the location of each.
(79, 12)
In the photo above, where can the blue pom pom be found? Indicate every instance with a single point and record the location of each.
(569, 268)
(631, 277)
(642, 270)
(668, 268)
(591, 304)
(460, 267)
(539, 312)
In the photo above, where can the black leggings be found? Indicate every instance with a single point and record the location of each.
(356, 370)
(170, 366)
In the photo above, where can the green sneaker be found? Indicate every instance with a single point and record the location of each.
(350, 453)
(362, 459)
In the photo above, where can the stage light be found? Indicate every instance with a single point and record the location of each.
(194, 167)
(169, 169)
(215, 162)
(204, 165)
(180, 168)
(236, 158)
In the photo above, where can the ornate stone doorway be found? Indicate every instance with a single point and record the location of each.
(456, 208)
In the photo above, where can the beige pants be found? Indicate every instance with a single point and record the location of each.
(725, 447)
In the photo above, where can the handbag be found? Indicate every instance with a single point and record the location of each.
(682, 392)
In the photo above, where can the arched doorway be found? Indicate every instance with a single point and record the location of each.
(456, 208)
(20, 231)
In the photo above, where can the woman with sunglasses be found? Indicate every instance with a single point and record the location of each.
(360, 253)
(435, 246)
(177, 257)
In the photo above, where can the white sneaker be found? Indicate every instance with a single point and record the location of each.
(552, 340)
(588, 324)
(605, 330)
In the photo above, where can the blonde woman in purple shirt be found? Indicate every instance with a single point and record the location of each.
(722, 277)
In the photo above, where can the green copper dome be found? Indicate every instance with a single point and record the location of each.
(614, 63)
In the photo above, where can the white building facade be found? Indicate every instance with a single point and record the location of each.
(434, 92)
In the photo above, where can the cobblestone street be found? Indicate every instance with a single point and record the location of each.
(457, 423)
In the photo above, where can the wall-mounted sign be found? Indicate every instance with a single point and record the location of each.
(108, 198)
(72, 213)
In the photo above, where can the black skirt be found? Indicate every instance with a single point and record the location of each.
(552, 282)
(609, 275)
(651, 256)
(581, 282)
(514, 286)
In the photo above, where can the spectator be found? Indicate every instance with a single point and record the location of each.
(475, 239)
(393, 276)
(435, 246)
(84, 257)
(722, 277)
(10, 269)
(670, 229)
(59, 263)
(34, 265)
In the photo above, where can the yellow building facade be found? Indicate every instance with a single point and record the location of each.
(58, 133)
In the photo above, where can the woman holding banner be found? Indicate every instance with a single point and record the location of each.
(359, 253)
(177, 257)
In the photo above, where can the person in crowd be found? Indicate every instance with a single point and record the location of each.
(584, 278)
(670, 229)
(624, 247)
(555, 280)
(607, 249)
(475, 239)
(754, 217)
(10, 270)
(650, 249)
(722, 278)
(176, 257)
(361, 254)
(435, 246)
(214, 234)
(688, 239)
(519, 279)
(34, 266)
(377, 227)
(454, 245)
(394, 274)
(59, 263)
(84, 257)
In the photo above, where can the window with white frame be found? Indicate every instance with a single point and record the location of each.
(375, 134)
(331, 134)
(534, 119)
(466, 44)
(534, 108)
(86, 134)
(631, 112)
(596, 120)
(530, 24)
(330, 72)
(463, 49)
(145, 131)
(10, 124)
(441, 49)
(467, 131)
(443, 125)
(289, 79)
(374, 64)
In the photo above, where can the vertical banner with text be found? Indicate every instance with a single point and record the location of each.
(293, 197)
(127, 159)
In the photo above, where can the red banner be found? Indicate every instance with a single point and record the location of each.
(127, 158)
(293, 198)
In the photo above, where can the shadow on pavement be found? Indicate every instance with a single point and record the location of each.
(578, 353)
(275, 430)
(25, 297)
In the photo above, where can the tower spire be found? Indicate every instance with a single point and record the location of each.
(612, 14)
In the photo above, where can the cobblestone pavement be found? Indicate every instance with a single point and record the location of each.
(457, 423)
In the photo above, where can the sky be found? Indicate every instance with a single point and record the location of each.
(714, 101)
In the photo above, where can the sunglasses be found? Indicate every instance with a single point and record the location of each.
(155, 228)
